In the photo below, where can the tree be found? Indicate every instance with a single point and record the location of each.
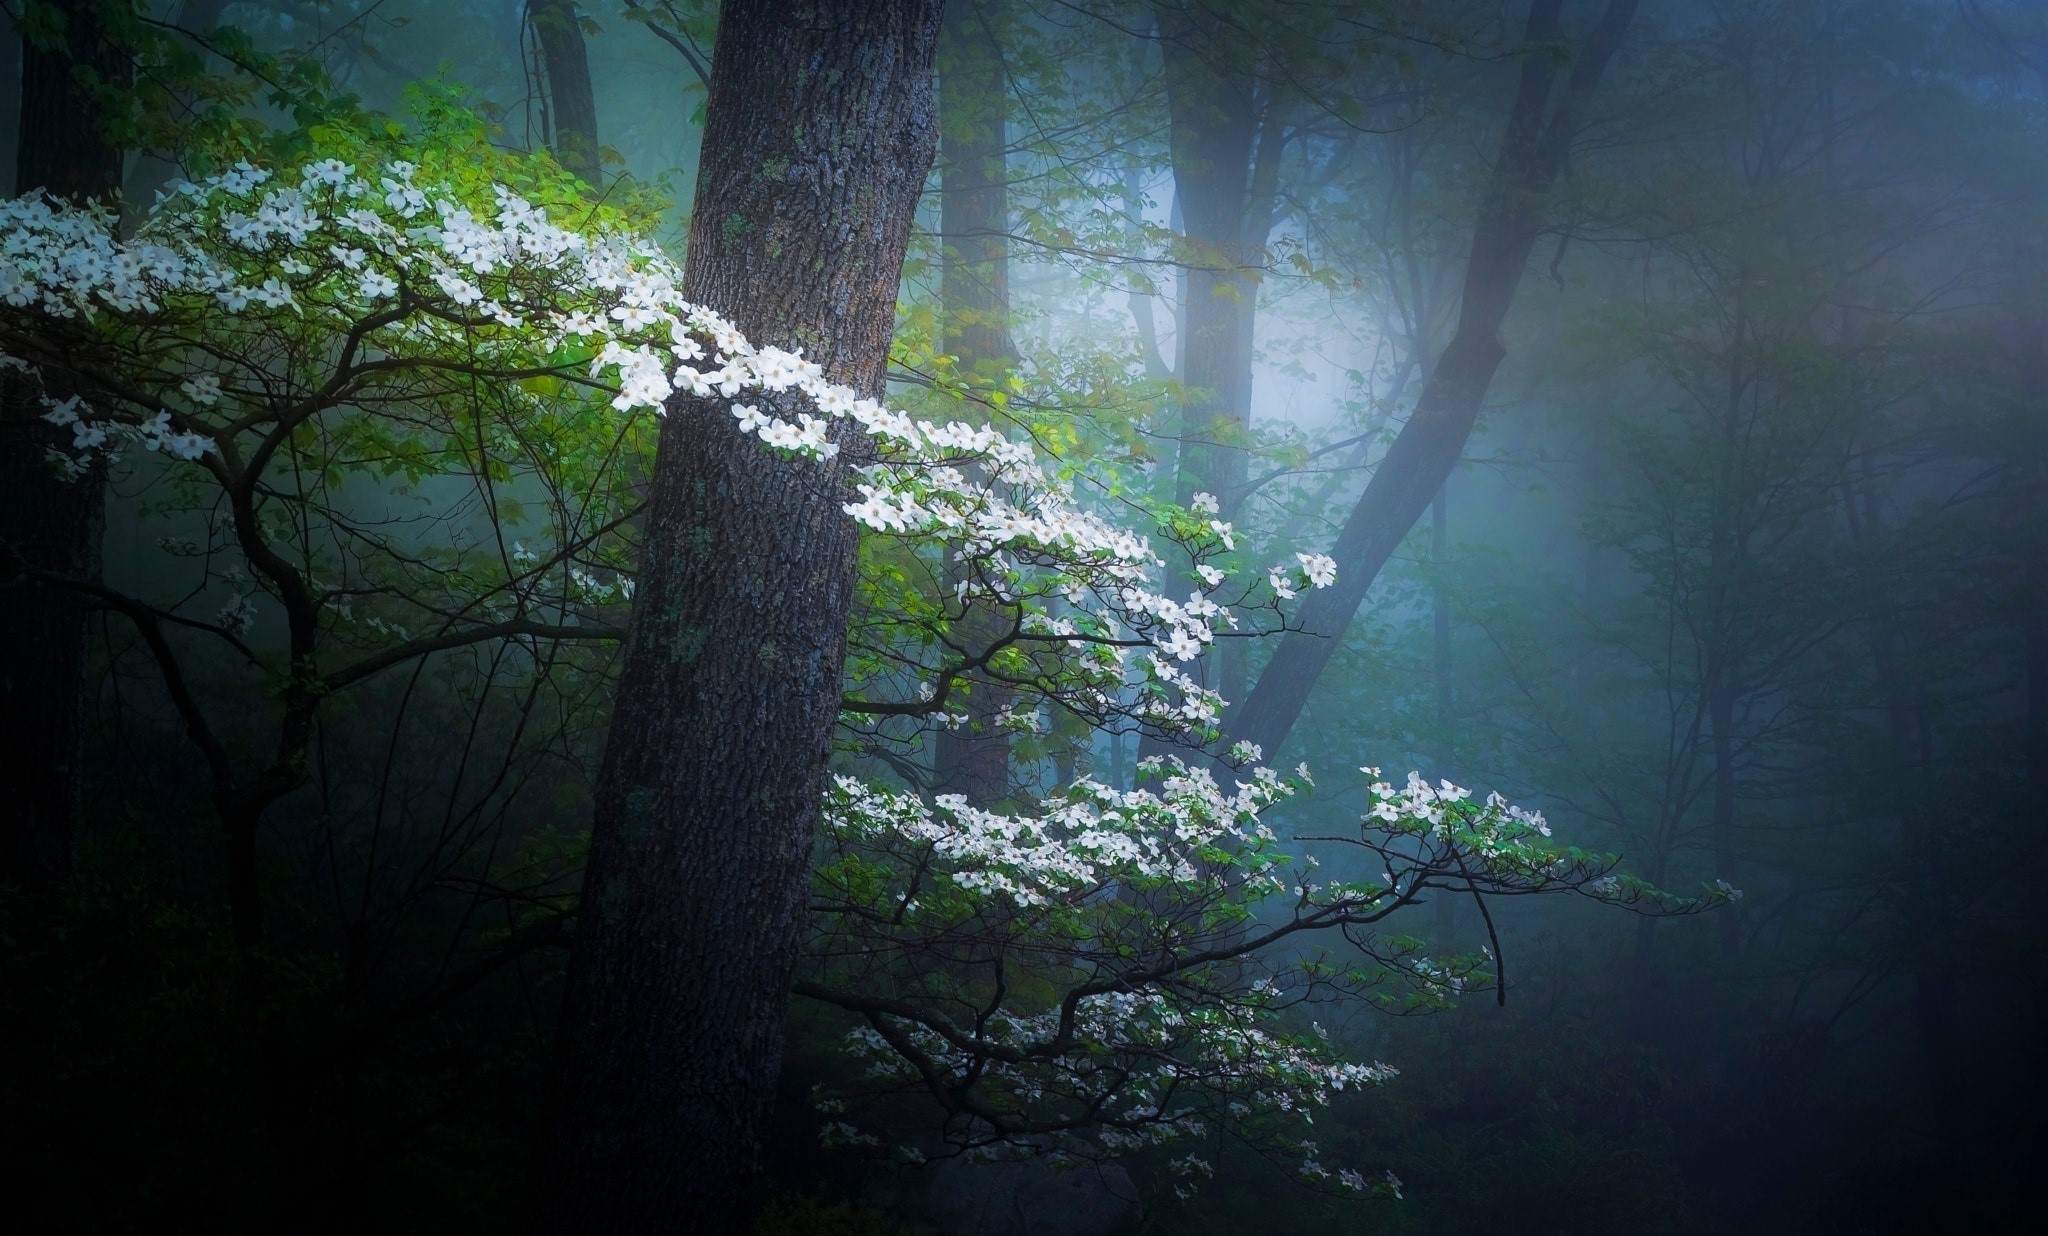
(326, 320)
(572, 112)
(974, 223)
(1533, 150)
(69, 65)
(271, 339)
(818, 134)
(264, 346)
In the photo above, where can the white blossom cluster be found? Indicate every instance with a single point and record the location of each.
(1434, 806)
(404, 268)
(1122, 900)
(1080, 842)
(1133, 1055)
(384, 270)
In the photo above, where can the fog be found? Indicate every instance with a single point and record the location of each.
(1666, 385)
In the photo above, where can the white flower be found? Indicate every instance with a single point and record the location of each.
(330, 172)
(635, 317)
(1320, 568)
(403, 198)
(1180, 645)
(237, 615)
(202, 388)
(275, 293)
(243, 178)
(458, 289)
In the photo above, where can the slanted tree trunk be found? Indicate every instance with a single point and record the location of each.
(974, 291)
(818, 136)
(47, 522)
(572, 106)
(1532, 153)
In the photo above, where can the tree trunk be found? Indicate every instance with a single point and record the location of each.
(817, 140)
(1440, 627)
(1723, 626)
(974, 290)
(572, 107)
(1441, 672)
(1426, 449)
(1225, 148)
(1721, 720)
(47, 522)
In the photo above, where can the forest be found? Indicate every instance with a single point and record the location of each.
(1001, 617)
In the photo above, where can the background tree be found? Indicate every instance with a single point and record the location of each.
(70, 68)
(1799, 653)
(572, 106)
(1533, 150)
(974, 227)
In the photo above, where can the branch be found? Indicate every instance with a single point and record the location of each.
(382, 661)
(683, 45)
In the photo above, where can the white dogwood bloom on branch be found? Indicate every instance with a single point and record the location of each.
(1134, 913)
(376, 292)
(409, 274)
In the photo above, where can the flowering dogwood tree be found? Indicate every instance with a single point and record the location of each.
(382, 320)
(1076, 977)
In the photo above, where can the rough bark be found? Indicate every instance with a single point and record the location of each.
(974, 291)
(48, 523)
(572, 105)
(1532, 153)
(818, 136)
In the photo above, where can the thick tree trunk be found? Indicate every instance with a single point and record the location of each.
(974, 290)
(817, 140)
(1426, 449)
(62, 147)
(572, 105)
(47, 522)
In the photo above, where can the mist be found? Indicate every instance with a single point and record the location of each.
(814, 616)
